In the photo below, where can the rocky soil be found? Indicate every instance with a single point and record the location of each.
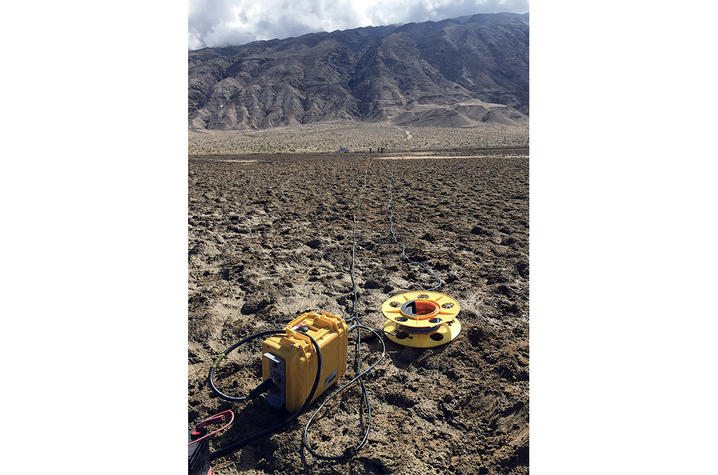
(356, 136)
(270, 238)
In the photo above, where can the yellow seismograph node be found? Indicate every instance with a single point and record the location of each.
(421, 319)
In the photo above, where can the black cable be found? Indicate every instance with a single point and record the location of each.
(350, 451)
(357, 355)
(228, 351)
(276, 427)
(396, 240)
(355, 304)
(359, 375)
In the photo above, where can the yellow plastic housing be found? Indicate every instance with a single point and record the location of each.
(296, 349)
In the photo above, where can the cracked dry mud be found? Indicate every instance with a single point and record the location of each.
(270, 238)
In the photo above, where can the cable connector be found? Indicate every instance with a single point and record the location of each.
(263, 387)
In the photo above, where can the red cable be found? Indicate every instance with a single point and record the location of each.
(220, 417)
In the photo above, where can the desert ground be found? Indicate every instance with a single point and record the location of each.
(356, 136)
(270, 238)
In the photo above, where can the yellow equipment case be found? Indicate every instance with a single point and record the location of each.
(291, 360)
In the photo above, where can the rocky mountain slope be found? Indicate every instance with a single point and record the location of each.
(459, 72)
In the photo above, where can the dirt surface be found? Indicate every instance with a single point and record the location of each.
(327, 137)
(270, 238)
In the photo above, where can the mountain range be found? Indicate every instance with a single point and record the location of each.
(460, 72)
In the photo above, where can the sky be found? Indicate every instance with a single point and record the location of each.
(235, 22)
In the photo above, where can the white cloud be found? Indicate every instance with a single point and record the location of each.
(234, 22)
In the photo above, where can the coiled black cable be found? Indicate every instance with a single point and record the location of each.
(276, 427)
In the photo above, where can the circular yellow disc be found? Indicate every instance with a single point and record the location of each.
(447, 309)
(446, 333)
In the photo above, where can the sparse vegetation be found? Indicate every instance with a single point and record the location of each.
(357, 136)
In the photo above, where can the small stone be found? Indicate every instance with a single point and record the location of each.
(428, 237)
(372, 284)
(480, 230)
